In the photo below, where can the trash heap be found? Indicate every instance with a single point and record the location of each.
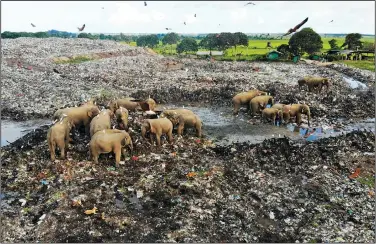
(191, 191)
(41, 85)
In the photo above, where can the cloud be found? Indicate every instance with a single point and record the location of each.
(239, 14)
(127, 14)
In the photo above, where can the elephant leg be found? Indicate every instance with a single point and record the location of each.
(151, 137)
(158, 136)
(52, 146)
(248, 106)
(180, 129)
(198, 130)
(236, 108)
(94, 155)
(298, 118)
(254, 108)
(61, 145)
(169, 134)
(117, 152)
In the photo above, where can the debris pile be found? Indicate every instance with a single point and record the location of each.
(133, 71)
(191, 191)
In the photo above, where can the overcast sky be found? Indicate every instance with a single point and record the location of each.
(224, 16)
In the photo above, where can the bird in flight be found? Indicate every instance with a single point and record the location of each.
(195, 15)
(102, 7)
(249, 3)
(185, 23)
(145, 4)
(32, 25)
(331, 21)
(168, 29)
(296, 27)
(82, 28)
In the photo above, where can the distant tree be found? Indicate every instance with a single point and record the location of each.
(284, 48)
(306, 40)
(187, 45)
(209, 42)
(148, 40)
(226, 40)
(240, 39)
(369, 46)
(170, 38)
(352, 40)
(41, 34)
(333, 44)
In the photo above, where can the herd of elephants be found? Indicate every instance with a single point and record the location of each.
(107, 139)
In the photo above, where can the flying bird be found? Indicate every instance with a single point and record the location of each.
(168, 29)
(296, 27)
(102, 7)
(185, 23)
(145, 4)
(195, 15)
(331, 21)
(32, 25)
(249, 3)
(82, 28)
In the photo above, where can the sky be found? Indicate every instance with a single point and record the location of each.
(212, 16)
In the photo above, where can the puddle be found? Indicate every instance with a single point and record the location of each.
(13, 130)
(354, 83)
(219, 125)
(223, 128)
(313, 134)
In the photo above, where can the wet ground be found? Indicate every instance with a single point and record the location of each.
(219, 125)
(353, 83)
(13, 130)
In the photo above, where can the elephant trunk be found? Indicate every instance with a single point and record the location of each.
(309, 117)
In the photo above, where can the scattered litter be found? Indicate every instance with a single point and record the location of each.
(91, 211)
(140, 194)
(355, 174)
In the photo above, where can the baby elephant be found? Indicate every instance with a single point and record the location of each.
(101, 121)
(122, 117)
(272, 113)
(157, 127)
(110, 140)
(285, 111)
(186, 120)
(58, 135)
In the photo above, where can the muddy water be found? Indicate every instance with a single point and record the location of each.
(223, 128)
(219, 125)
(13, 130)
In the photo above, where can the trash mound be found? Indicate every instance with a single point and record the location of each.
(365, 76)
(190, 191)
(41, 86)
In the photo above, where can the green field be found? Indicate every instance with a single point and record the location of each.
(255, 47)
(258, 47)
(363, 64)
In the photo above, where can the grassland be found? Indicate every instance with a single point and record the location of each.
(363, 64)
(258, 47)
